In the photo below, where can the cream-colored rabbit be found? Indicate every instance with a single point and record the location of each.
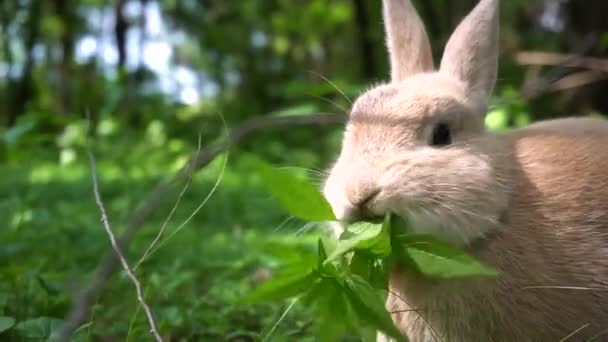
(532, 203)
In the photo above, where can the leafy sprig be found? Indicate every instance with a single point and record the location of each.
(347, 283)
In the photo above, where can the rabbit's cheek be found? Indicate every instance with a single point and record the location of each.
(334, 192)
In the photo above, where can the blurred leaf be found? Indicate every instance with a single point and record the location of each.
(497, 119)
(361, 264)
(6, 323)
(303, 109)
(39, 328)
(369, 305)
(282, 286)
(331, 302)
(298, 196)
(288, 252)
(439, 259)
(322, 256)
(23, 126)
(51, 288)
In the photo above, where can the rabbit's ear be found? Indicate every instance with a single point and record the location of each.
(407, 42)
(471, 54)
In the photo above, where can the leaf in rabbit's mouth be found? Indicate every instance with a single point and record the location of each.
(399, 223)
(353, 271)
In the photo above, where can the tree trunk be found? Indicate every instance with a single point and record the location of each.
(366, 45)
(23, 88)
(65, 11)
(120, 32)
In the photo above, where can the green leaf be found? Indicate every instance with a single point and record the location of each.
(379, 274)
(39, 328)
(371, 237)
(361, 264)
(303, 109)
(297, 196)
(6, 323)
(322, 253)
(438, 259)
(369, 305)
(289, 252)
(289, 284)
(330, 302)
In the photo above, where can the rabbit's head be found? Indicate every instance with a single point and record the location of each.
(417, 146)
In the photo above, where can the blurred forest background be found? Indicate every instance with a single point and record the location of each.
(154, 77)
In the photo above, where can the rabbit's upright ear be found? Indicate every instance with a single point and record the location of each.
(471, 54)
(407, 42)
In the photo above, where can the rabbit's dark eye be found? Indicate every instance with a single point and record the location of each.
(441, 135)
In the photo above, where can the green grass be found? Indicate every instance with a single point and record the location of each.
(52, 241)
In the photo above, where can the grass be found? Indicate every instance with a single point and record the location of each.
(53, 240)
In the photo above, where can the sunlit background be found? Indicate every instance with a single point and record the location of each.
(147, 80)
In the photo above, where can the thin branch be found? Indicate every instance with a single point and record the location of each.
(561, 66)
(576, 288)
(574, 332)
(170, 216)
(108, 265)
(562, 60)
(125, 265)
(200, 206)
(576, 80)
(206, 199)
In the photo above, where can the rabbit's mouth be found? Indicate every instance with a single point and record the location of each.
(440, 220)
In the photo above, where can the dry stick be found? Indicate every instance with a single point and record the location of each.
(570, 335)
(597, 70)
(123, 261)
(79, 312)
(562, 60)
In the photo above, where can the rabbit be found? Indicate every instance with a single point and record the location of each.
(531, 203)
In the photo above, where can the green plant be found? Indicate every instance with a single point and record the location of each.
(346, 282)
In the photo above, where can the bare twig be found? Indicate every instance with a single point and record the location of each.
(576, 288)
(576, 80)
(561, 64)
(562, 60)
(597, 70)
(125, 265)
(574, 332)
(81, 305)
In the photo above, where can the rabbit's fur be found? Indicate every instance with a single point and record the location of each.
(532, 203)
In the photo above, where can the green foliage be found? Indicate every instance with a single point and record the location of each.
(283, 58)
(6, 323)
(438, 259)
(39, 328)
(350, 275)
(295, 195)
(52, 240)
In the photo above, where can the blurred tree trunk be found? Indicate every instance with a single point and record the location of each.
(141, 68)
(65, 10)
(23, 87)
(366, 45)
(5, 20)
(120, 32)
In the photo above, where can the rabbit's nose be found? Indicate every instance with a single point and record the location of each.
(360, 195)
